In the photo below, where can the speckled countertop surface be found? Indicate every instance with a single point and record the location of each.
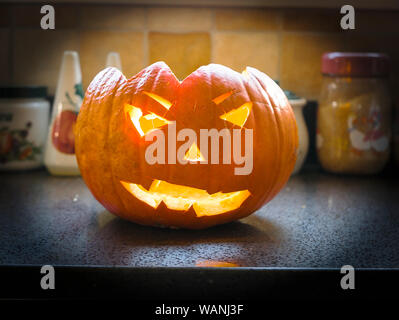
(318, 220)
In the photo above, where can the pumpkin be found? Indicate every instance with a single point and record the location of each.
(118, 114)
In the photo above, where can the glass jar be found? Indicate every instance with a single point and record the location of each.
(24, 116)
(354, 115)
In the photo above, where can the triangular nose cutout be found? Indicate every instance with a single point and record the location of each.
(194, 154)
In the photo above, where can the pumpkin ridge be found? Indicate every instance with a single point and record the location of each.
(111, 72)
(278, 111)
(110, 164)
(275, 172)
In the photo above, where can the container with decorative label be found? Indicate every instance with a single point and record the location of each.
(60, 148)
(297, 104)
(354, 114)
(114, 60)
(24, 114)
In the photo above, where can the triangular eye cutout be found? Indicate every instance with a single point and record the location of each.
(238, 116)
(222, 97)
(194, 154)
(165, 103)
(147, 123)
(152, 121)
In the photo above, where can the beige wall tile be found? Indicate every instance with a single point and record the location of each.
(5, 15)
(38, 54)
(377, 21)
(4, 56)
(388, 44)
(29, 15)
(247, 19)
(95, 45)
(180, 37)
(316, 20)
(374, 43)
(239, 50)
(184, 53)
(179, 19)
(113, 17)
(301, 61)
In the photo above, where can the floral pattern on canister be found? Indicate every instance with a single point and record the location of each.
(15, 145)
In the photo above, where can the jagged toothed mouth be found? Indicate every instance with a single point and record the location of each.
(182, 198)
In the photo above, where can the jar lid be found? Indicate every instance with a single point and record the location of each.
(23, 92)
(356, 64)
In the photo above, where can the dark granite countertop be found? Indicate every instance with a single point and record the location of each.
(317, 221)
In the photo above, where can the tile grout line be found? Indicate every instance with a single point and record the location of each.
(280, 46)
(79, 30)
(212, 35)
(146, 58)
(11, 50)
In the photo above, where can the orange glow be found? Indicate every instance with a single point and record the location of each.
(182, 198)
(194, 154)
(215, 264)
(147, 123)
(222, 97)
(238, 116)
(165, 103)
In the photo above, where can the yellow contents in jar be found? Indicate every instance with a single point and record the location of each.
(354, 129)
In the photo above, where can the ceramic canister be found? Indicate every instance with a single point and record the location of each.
(303, 136)
(24, 114)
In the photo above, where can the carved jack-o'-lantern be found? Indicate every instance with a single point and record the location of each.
(122, 120)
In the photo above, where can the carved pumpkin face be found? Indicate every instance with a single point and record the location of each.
(191, 185)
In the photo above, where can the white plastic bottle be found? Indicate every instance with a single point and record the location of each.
(59, 157)
(114, 60)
